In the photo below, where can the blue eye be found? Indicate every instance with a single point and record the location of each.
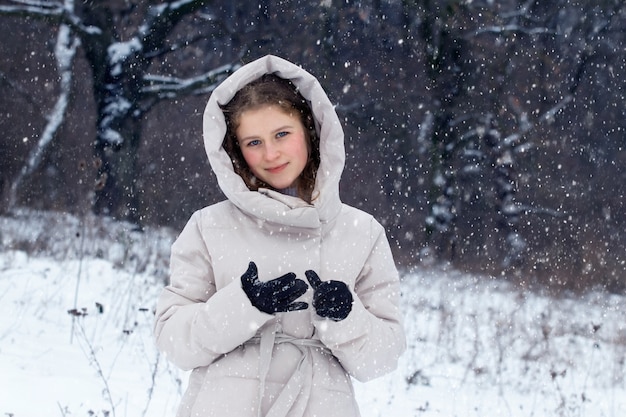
(281, 134)
(254, 142)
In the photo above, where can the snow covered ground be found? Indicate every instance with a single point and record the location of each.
(77, 299)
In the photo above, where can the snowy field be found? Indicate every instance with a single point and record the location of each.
(77, 299)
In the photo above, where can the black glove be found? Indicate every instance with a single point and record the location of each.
(274, 296)
(331, 299)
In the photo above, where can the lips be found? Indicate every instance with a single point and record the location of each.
(277, 169)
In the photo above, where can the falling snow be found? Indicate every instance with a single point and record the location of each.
(77, 335)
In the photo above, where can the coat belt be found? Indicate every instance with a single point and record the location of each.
(296, 392)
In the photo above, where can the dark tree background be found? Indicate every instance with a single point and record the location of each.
(490, 135)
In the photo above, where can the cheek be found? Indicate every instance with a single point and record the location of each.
(251, 158)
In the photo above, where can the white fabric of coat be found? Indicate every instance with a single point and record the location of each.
(298, 362)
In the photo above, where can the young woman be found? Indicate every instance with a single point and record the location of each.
(281, 293)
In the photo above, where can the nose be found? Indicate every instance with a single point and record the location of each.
(272, 151)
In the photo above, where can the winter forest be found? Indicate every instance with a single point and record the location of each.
(488, 137)
(485, 134)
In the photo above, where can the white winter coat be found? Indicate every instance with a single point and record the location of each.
(298, 362)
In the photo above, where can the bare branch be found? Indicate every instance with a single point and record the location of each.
(523, 10)
(54, 11)
(33, 8)
(512, 28)
(551, 113)
(177, 46)
(167, 87)
(162, 19)
(65, 51)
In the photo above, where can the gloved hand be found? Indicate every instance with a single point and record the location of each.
(331, 299)
(274, 296)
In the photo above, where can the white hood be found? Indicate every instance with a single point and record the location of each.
(279, 208)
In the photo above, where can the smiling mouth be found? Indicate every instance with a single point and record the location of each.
(277, 169)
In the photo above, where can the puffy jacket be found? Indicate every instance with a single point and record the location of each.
(298, 362)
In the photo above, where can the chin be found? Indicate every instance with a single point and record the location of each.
(281, 185)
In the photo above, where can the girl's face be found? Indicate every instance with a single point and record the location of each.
(274, 145)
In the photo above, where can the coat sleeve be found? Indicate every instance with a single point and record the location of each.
(369, 342)
(195, 323)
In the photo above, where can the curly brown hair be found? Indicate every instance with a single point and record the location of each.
(273, 90)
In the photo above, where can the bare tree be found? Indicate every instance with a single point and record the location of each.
(477, 126)
(64, 53)
(121, 56)
(491, 132)
(505, 145)
(443, 49)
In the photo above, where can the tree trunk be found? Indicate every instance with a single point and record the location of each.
(443, 50)
(116, 190)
